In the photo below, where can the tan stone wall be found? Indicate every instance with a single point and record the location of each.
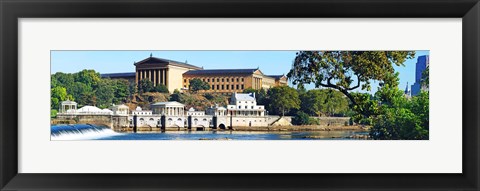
(249, 82)
(245, 121)
(268, 82)
(175, 80)
(219, 83)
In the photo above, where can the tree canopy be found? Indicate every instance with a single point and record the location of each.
(283, 99)
(326, 102)
(197, 84)
(346, 70)
(88, 88)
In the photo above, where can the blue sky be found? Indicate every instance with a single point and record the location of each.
(269, 62)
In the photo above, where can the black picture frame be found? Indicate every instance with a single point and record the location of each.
(11, 11)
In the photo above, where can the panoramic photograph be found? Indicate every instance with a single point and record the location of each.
(239, 95)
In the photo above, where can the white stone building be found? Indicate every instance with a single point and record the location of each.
(140, 111)
(120, 110)
(192, 112)
(67, 107)
(243, 111)
(171, 108)
(92, 110)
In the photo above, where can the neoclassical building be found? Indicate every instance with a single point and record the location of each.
(177, 75)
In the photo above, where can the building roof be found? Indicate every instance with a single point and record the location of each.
(277, 77)
(221, 71)
(89, 108)
(68, 102)
(244, 96)
(119, 106)
(155, 60)
(119, 75)
(169, 103)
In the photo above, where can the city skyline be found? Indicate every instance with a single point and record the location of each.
(269, 62)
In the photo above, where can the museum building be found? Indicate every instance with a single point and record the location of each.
(177, 75)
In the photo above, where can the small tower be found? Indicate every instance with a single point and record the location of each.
(407, 91)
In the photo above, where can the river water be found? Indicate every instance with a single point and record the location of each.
(91, 132)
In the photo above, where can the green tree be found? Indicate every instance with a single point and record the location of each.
(324, 102)
(399, 117)
(346, 71)
(197, 84)
(78, 89)
(261, 95)
(301, 118)
(312, 102)
(57, 95)
(335, 103)
(145, 85)
(121, 90)
(62, 79)
(87, 98)
(283, 99)
(104, 94)
(88, 77)
(132, 88)
(53, 113)
(426, 77)
(176, 97)
(419, 105)
(161, 88)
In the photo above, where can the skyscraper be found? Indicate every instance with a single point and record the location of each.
(422, 64)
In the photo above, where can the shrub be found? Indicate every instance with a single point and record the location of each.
(301, 118)
(53, 113)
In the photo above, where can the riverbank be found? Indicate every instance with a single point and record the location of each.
(305, 128)
(292, 128)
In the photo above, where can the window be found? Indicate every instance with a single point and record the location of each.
(184, 80)
(213, 87)
(227, 79)
(223, 80)
(239, 107)
(245, 107)
(252, 106)
(218, 87)
(242, 86)
(223, 87)
(237, 85)
(232, 86)
(233, 80)
(242, 81)
(238, 80)
(208, 80)
(227, 86)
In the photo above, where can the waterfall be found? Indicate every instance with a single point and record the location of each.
(79, 132)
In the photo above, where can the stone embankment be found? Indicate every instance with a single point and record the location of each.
(305, 128)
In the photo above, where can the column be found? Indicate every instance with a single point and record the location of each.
(163, 76)
(136, 77)
(158, 77)
(166, 77)
(154, 77)
(150, 76)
